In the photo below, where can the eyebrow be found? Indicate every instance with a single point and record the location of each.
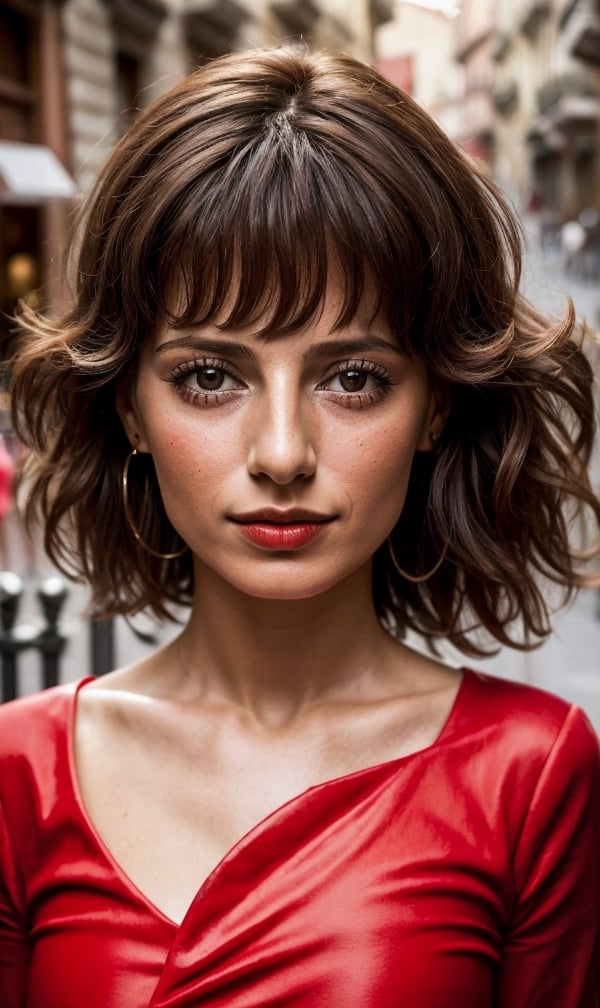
(226, 348)
(347, 347)
(329, 348)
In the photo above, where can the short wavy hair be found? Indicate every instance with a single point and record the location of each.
(243, 187)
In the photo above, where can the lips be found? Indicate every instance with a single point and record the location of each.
(277, 529)
(280, 516)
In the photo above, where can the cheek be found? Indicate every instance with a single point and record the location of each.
(178, 442)
(188, 464)
(186, 467)
(382, 463)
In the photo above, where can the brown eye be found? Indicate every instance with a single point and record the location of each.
(357, 384)
(209, 379)
(206, 382)
(353, 381)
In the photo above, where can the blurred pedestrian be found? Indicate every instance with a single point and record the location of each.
(590, 222)
(572, 240)
(550, 225)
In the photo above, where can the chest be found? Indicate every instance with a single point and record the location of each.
(170, 804)
(170, 826)
(361, 888)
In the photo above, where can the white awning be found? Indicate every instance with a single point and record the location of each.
(32, 173)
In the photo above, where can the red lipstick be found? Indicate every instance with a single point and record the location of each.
(276, 529)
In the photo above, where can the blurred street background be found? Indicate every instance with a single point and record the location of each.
(515, 82)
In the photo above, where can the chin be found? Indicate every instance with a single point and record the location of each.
(284, 593)
(286, 581)
(295, 588)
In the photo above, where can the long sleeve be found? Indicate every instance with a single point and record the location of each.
(14, 946)
(551, 956)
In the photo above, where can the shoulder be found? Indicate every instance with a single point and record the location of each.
(529, 760)
(526, 725)
(35, 757)
(28, 724)
(500, 701)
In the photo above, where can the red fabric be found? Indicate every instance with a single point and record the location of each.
(7, 473)
(466, 874)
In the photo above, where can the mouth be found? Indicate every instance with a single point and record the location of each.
(278, 516)
(282, 530)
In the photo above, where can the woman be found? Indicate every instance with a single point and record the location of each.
(298, 391)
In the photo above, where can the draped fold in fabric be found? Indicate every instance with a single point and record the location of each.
(465, 874)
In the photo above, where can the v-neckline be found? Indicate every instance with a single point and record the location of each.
(93, 834)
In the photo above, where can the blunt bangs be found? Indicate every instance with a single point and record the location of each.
(243, 201)
(261, 240)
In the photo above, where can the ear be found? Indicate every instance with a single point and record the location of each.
(437, 413)
(129, 412)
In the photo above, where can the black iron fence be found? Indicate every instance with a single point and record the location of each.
(46, 637)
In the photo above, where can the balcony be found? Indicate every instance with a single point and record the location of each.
(506, 98)
(501, 46)
(141, 18)
(536, 12)
(298, 16)
(544, 140)
(568, 117)
(380, 11)
(212, 26)
(567, 98)
(581, 30)
(586, 45)
(469, 45)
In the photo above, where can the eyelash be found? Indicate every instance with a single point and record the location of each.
(197, 396)
(356, 400)
(351, 400)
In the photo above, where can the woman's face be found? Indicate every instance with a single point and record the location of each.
(283, 462)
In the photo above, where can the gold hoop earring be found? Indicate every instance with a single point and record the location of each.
(132, 525)
(416, 578)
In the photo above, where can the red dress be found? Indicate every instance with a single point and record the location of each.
(462, 876)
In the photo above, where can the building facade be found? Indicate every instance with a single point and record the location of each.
(541, 74)
(526, 99)
(415, 50)
(475, 39)
(548, 103)
(35, 155)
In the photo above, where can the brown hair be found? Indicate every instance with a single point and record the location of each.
(244, 185)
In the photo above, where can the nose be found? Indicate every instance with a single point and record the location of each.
(281, 437)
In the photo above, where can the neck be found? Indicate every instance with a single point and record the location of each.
(276, 658)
